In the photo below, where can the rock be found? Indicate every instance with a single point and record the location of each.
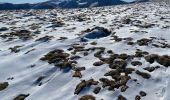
(140, 53)
(130, 43)
(62, 38)
(144, 75)
(3, 85)
(119, 81)
(118, 63)
(80, 87)
(54, 56)
(85, 53)
(3, 29)
(136, 63)
(123, 56)
(77, 74)
(106, 82)
(151, 69)
(60, 59)
(15, 49)
(126, 21)
(45, 38)
(21, 97)
(120, 97)
(151, 58)
(99, 63)
(110, 52)
(142, 93)
(87, 97)
(124, 88)
(116, 38)
(39, 80)
(99, 53)
(143, 42)
(137, 97)
(22, 34)
(129, 70)
(79, 68)
(93, 43)
(164, 60)
(97, 90)
(97, 32)
(111, 73)
(84, 84)
(75, 57)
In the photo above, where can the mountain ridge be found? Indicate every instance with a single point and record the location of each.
(52, 4)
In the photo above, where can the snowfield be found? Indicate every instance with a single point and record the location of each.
(105, 53)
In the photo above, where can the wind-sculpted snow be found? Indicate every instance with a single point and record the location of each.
(105, 53)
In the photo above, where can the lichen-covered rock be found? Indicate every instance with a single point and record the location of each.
(3, 85)
(151, 58)
(21, 97)
(77, 74)
(164, 60)
(120, 97)
(143, 42)
(87, 97)
(118, 63)
(84, 84)
(143, 74)
(140, 53)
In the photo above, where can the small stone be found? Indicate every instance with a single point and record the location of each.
(142, 93)
(137, 97)
(97, 90)
(124, 88)
(99, 63)
(77, 74)
(144, 75)
(136, 63)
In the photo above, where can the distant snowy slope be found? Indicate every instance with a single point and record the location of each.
(64, 4)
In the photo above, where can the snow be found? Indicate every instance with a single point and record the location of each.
(59, 85)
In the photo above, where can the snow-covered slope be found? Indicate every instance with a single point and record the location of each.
(84, 3)
(51, 4)
(107, 53)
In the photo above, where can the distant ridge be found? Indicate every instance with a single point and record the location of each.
(52, 4)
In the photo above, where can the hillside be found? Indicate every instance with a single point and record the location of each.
(105, 53)
(52, 4)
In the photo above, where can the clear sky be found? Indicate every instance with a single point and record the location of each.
(22, 1)
(34, 1)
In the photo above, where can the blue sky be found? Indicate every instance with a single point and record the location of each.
(22, 1)
(31, 1)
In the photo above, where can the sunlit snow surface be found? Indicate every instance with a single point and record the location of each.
(59, 85)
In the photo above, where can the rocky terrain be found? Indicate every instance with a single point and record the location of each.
(105, 53)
